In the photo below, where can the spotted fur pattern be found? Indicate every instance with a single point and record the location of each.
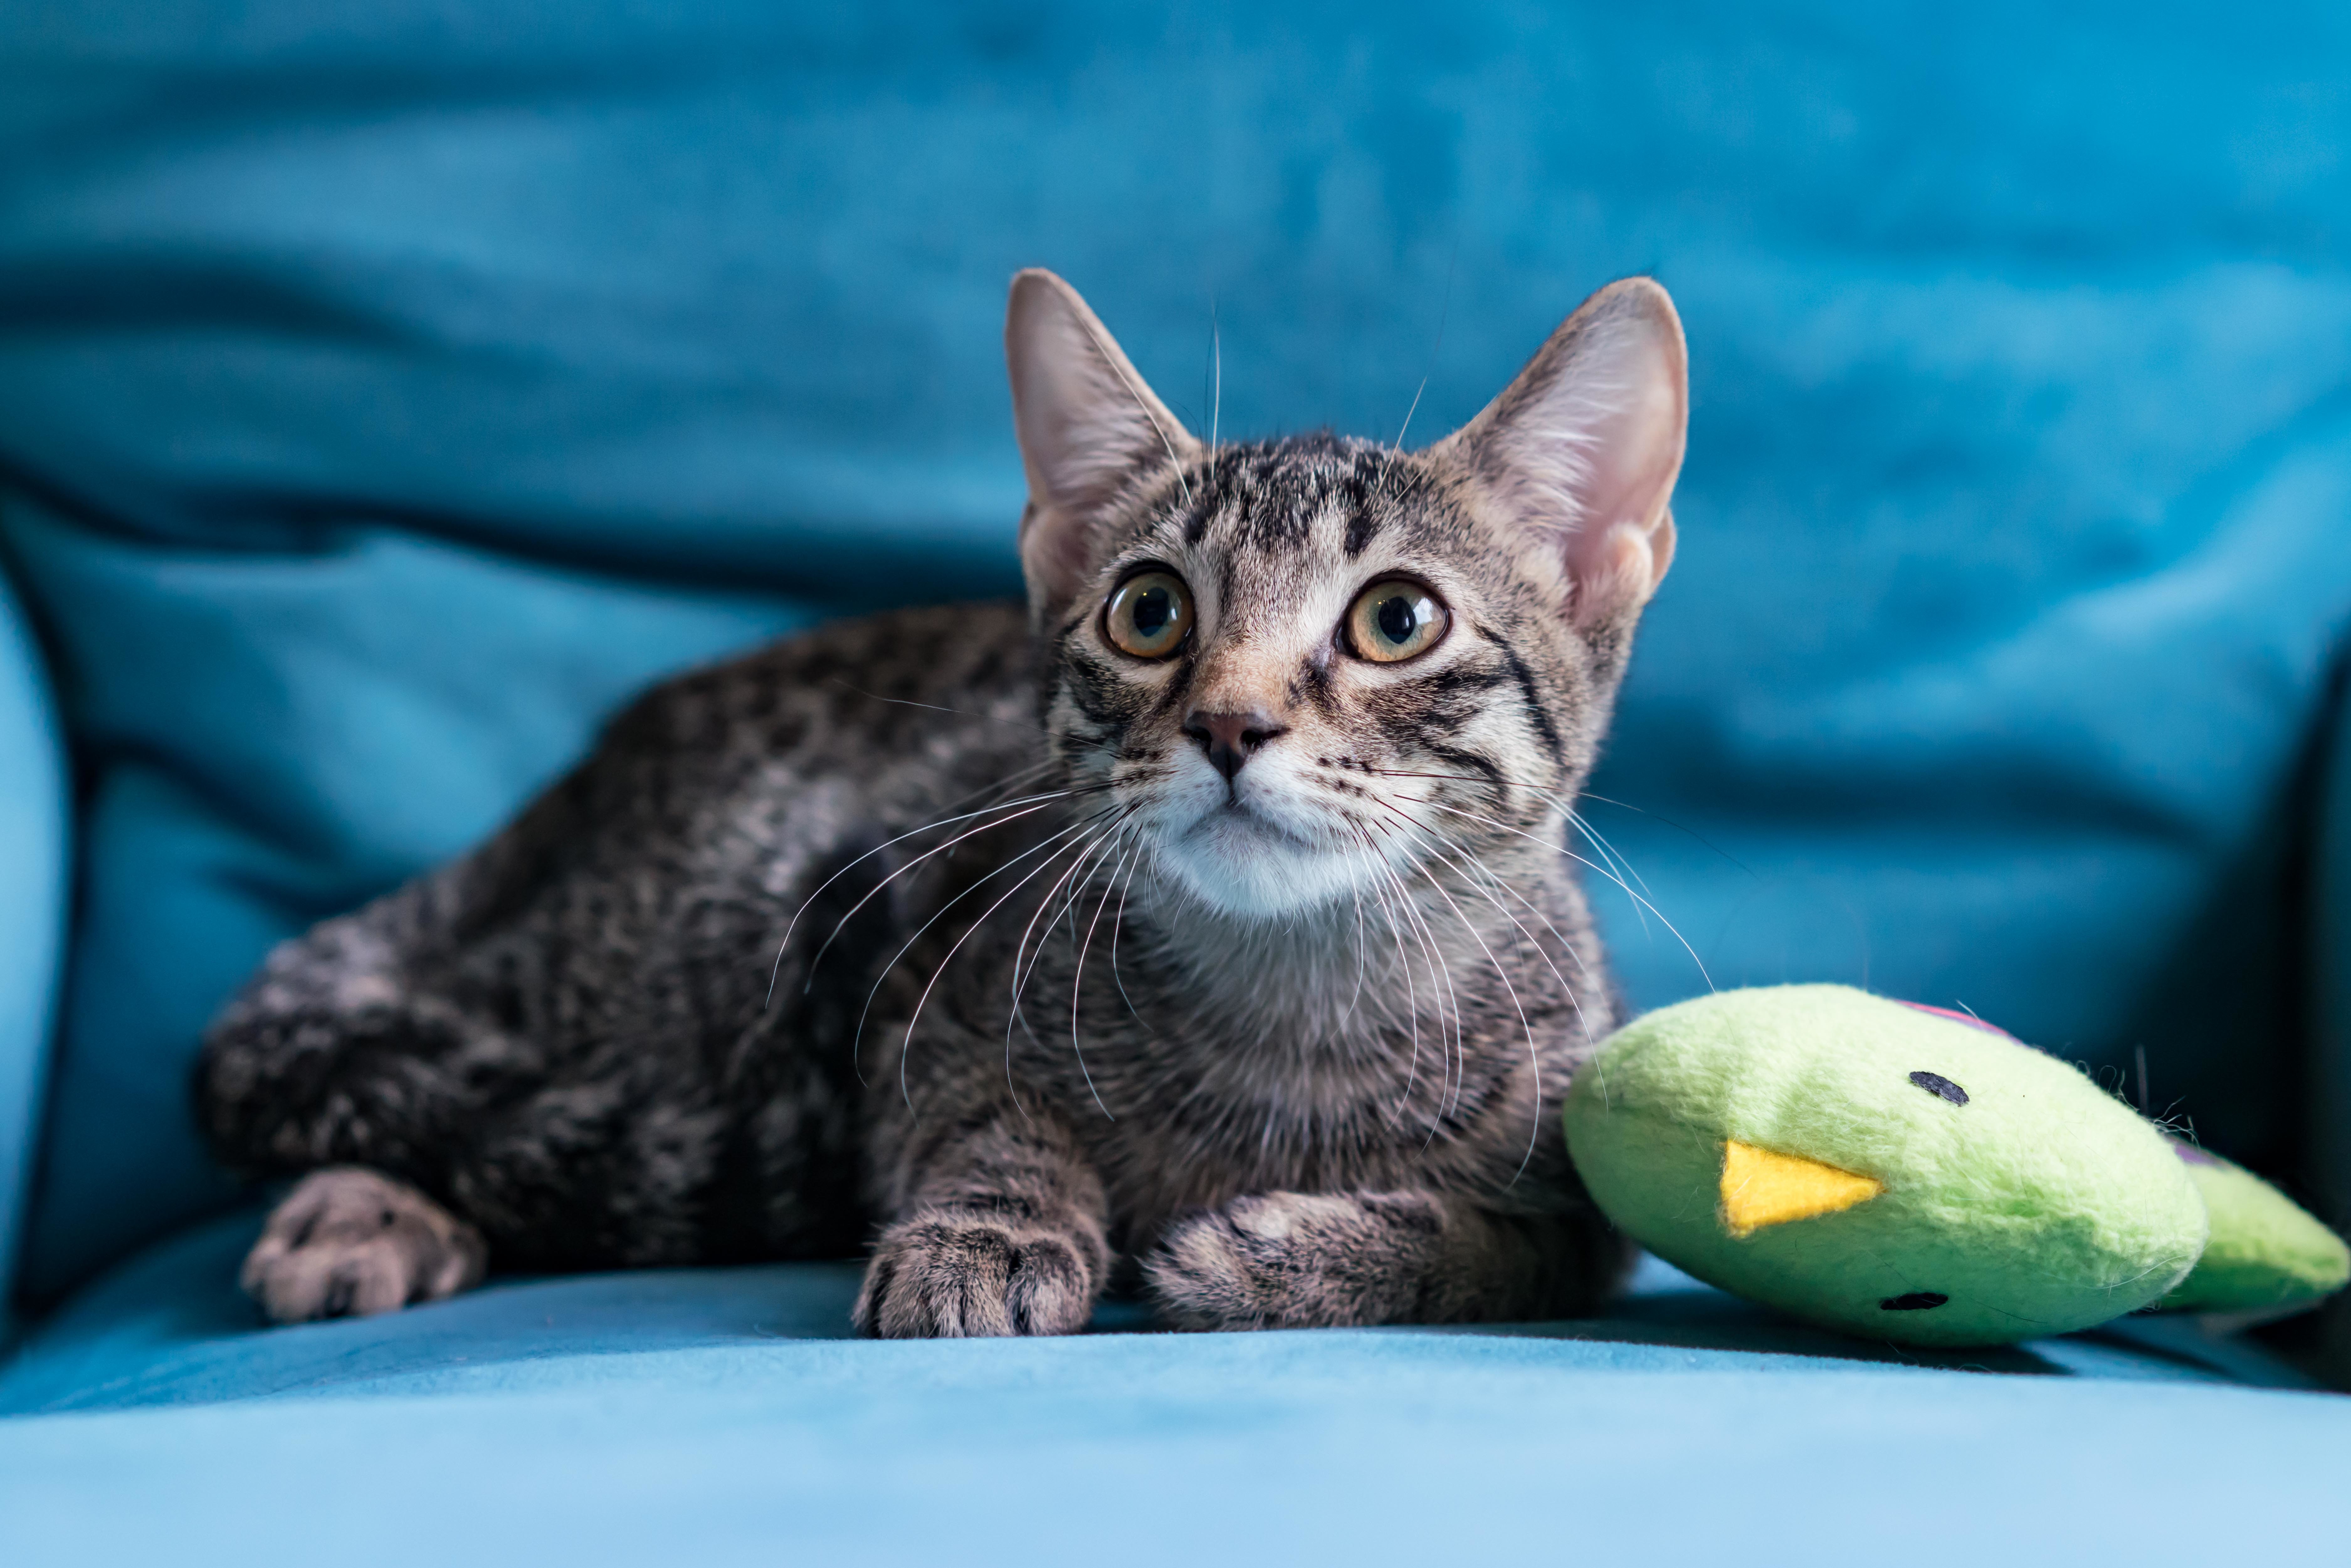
(940, 934)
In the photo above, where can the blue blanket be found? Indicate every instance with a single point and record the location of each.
(720, 1415)
(388, 387)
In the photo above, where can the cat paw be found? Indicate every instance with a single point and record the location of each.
(1295, 1260)
(946, 1276)
(348, 1242)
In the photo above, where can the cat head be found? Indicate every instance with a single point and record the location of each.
(1296, 671)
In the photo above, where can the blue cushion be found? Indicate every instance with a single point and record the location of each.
(277, 735)
(169, 1327)
(32, 910)
(717, 1416)
(400, 383)
(2327, 965)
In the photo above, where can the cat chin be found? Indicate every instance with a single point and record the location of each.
(1245, 867)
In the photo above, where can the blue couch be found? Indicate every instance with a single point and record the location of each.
(388, 387)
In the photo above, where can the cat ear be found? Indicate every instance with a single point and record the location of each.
(1086, 422)
(1581, 450)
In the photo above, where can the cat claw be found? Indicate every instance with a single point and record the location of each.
(951, 1276)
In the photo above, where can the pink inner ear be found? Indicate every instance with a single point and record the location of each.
(1053, 553)
(1630, 451)
(1585, 445)
(1085, 421)
(1617, 565)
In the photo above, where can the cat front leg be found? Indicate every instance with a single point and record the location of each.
(1001, 1230)
(1295, 1259)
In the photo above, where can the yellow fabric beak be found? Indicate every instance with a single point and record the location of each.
(1760, 1187)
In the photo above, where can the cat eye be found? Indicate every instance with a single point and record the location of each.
(1149, 615)
(1393, 620)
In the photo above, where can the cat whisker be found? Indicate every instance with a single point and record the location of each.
(1403, 963)
(1443, 314)
(1534, 1051)
(1566, 944)
(1117, 923)
(1019, 982)
(857, 1040)
(1355, 895)
(1607, 850)
(1077, 988)
(1583, 824)
(1110, 355)
(1480, 877)
(1561, 849)
(906, 1042)
(1668, 822)
(1496, 784)
(1216, 360)
(1421, 834)
(1027, 811)
(1398, 447)
(1608, 855)
(1441, 992)
(1617, 868)
(1076, 883)
(1500, 971)
(1575, 1000)
(784, 945)
(936, 707)
(1024, 963)
(1473, 868)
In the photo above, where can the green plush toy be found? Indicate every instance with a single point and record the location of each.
(1907, 1174)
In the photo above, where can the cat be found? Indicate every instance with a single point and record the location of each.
(1209, 926)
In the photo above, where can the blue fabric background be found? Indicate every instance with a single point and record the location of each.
(387, 388)
(34, 840)
(718, 1417)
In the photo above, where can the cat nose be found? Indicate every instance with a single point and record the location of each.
(1231, 738)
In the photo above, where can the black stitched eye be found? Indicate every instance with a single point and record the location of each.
(1915, 1302)
(1935, 1083)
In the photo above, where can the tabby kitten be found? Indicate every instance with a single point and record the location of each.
(1212, 926)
